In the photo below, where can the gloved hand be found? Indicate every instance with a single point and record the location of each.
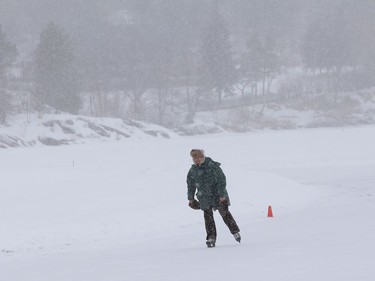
(222, 199)
(194, 204)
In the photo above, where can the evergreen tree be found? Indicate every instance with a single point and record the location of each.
(328, 41)
(329, 44)
(217, 64)
(8, 54)
(260, 63)
(363, 39)
(56, 81)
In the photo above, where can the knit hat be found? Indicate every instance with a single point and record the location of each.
(196, 152)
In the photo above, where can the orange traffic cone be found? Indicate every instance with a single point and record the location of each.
(270, 215)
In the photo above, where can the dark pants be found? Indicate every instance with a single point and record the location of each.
(210, 221)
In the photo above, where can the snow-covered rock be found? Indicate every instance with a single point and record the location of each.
(53, 130)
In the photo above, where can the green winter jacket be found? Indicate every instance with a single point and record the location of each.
(208, 182)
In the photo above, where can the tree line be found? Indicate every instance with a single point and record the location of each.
(176, 53)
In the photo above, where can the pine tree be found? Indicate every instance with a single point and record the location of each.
(217, 64)
(56, 80)
(8, 54)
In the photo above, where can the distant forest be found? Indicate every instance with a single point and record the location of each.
(142, 58)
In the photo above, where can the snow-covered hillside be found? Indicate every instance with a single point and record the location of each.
(301, 111)
(118, 210)
(54, 130)
(234, 115)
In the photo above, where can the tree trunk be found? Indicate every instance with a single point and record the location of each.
(219, 96)
(193, 101)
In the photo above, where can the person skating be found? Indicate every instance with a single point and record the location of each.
(207, 181)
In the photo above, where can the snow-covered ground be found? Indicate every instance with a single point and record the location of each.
(118, 210)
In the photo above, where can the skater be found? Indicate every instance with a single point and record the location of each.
(207, 180)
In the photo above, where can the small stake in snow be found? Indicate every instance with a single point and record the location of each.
(270, 214)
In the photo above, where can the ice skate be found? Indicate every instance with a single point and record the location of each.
(237, 236)
(210, 243)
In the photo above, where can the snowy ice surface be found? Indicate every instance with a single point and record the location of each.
(118, 210)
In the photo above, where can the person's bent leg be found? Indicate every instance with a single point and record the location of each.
(228, 218)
